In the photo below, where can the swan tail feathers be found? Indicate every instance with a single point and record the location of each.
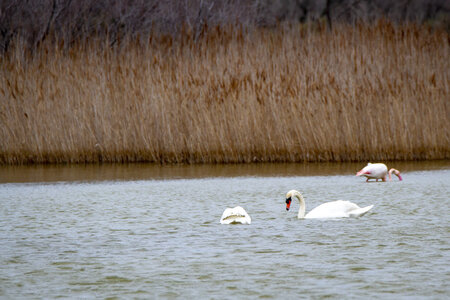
(360, 211)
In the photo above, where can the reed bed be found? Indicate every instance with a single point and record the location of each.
(285, 94)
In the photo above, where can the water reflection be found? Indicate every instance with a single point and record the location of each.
(143, 171)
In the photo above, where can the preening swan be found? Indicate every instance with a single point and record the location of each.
(378, 171)
(236, 215)
(334, 209)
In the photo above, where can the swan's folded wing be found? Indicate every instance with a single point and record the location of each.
(360, 211)
(234, 216)
(335, 209)
(228, 212)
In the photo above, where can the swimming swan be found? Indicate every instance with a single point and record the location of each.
(334, 209)
(236, 215)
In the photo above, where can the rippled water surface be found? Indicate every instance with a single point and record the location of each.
(154, 232)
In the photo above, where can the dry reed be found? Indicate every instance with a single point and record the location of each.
(285, 94)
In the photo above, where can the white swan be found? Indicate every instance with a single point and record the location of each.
(236, 215)
(334, 209)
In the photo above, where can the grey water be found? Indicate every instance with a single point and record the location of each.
(153, 232)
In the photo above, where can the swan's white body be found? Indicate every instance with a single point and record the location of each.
(333, 209)
(236, 215)
(378, 171)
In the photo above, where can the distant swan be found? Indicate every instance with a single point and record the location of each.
(236, 215)
(334, 209)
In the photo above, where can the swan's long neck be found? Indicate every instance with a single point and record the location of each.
(302, 209)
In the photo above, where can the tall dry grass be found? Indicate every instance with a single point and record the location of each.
(286, 94)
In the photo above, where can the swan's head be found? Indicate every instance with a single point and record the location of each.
(289, 196)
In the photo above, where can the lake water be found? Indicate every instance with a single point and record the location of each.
(142, 231)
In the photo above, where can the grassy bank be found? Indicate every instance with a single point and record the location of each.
(293, 93)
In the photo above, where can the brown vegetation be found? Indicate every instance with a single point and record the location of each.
(73, 21)
(290, 93)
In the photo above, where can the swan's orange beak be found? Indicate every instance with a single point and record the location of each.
(288, 203)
